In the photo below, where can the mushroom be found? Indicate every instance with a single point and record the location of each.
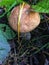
(29, 19)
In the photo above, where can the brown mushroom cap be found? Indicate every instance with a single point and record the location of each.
(29, 19)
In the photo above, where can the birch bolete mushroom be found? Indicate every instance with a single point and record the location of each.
(29, 19)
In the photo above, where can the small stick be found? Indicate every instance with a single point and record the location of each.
(19, 17)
